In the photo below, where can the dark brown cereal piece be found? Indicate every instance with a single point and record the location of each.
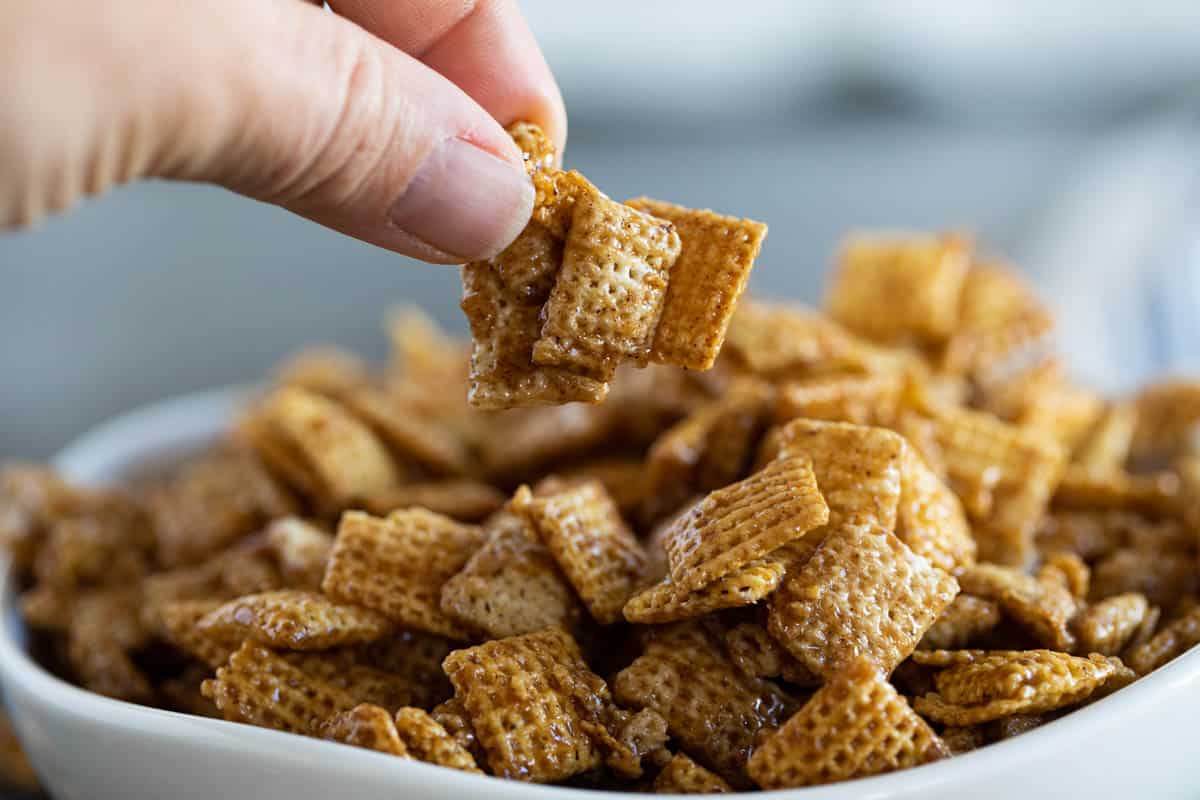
(682, 775)
(425, 739)
(15, 770)
(32, 498)
(964, 739)
(452, 715)
(367, 726)
(104, 630)
(295, 619)
(965, 619)
(349, 670)
(1164, 576)
(1171, 641)
(1044, 608)
(665, 601)
(179, 625)
(753, 650)
(854, 726)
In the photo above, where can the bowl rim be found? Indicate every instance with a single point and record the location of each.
(195, 418)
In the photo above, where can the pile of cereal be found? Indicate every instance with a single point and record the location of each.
(866, 539)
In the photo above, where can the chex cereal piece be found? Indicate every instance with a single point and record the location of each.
(326, 370)
(713, 710)
(591, 544)
(534, 144)
(1171, 641)
(32, 498)
(854, 726)
(532, 438)
(860, 399)
(1163, 575)
(753, 650)
(1044, 608)
(609, 292)
(1153, 493)
(1005, 682)
(743, 522)
(412, 440)
(894, 287)
(1107, 446)
(302, 549)
(105, 628)
(1067, 570)
(511, 585)
(98, 548)
(624, 478)
(667, 602)
(930, 518)
(367, 726)
(504, 326)
(715, 258)
(397, 565)
(180, 627)
(1168, 413)
(460, 498)
(425, 739)
(959, 740)
(295, 619)
(416, 654)
(682, 775)
(348, 670)
(966, 618)
(862, 593)
(1106, 627)
(259, 687)
(528, 267)
(636, 737)
(542, 737)
(452, 715)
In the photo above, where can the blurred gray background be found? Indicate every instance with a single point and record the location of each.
(1063, 137)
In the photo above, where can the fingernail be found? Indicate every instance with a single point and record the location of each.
(465, 201)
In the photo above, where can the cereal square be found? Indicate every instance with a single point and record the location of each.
(966, 618)
(667, 602)
(1044, 608)
(425, 739)
(367, 726)
(930, 517)
(294, 619)
(682, 775)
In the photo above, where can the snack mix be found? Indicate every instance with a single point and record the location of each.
(659, 544)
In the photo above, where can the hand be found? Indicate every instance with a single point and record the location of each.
(384, 119)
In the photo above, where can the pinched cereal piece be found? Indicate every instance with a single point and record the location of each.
(397, 565)
(1164, 576)
(681, 775)
(534, 704)
(667, 602)
(1044, 608)
(854, 726)
(504, 327)
(591, 544)
(966, 618)
(412, 440)
(609, 292)
(1005, 682)
(715, 258)
(930, 518)
(1106, 627)
(294, 619)
(1171, 641)
(180, 626)
(452, 715)
(862, 593)
(511, 585)
(534, 144)
(460, 498)
(529, 266)
(741, 523)
(259, 687)
(713, 710)
(302, 549)
(758, 655)
(897, 287)
(425, 739)
(1168, 415)
(367, 726)
(1107, 446)
(1067, 570)
(860, 399)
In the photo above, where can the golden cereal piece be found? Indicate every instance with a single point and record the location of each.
(860, 399)
(1067, 570)
(463, 499)
(1106, 449)
(609, 292)
(1154, 493)
(367, 726)
(180, 627)
(854, 726)
(1164, 576)
(713, 710)
(1107, 627)
(862, 593)
(682, 775)
(301, 548)
(557, 193)
(591, 544)
(752, 649)
(997, 684)
(715, 258)
(743, 522)
(624, 478)
(452, 715)
(529, 266)
(896, 287)
(535, 706)
(526, 439)
(398, 565)
(966, 618)
(1044, 608)
(425, 739)
(930, 519)
(1168, 415)
(350, 670)
(534, 144)
(412, 440)
(667, 602)
(330, 371)
(1175, 638)
(259, 687)
(511, 585)
(295, 619)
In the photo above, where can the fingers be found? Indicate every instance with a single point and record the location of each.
(483, 46)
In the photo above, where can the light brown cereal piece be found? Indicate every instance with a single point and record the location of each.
(1168, 414)
(504, 327)
(1106, 627)
(511, 585)
(535, 146)
(966, 618)
(682, 775)
(715, 258)
(591, 544)
(930, 519)
(97, 548)
(180, 626)
(667, 602)
(1005, 682)
(463, 499)
(104, 629)
(741, 523)
(547, 732)
(1162, 575)
(896, 287)
(397, 565)
(959, 740)
(609, 292)
(713, 710)
(295, 619)
(1044, 608)
(452, 715)
(31, 499)
(854, 726)
(1145, 631)
(412, 440)
(1107, 446)
(1154, 493)
(425, 366)
(757, 654)
(528, 267)
(862, 593)
(367, 726)
(1067, 570)
(425, 739)
(1171, 641)
(330, 371)
(860, 399)
(259, 687)
(302, 549)
(557, 192)
(523, 440)
(47, 607)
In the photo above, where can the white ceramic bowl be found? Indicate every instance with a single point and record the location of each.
(1140, 742)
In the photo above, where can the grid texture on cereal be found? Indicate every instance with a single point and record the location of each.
(367, 726)
(295, 619)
